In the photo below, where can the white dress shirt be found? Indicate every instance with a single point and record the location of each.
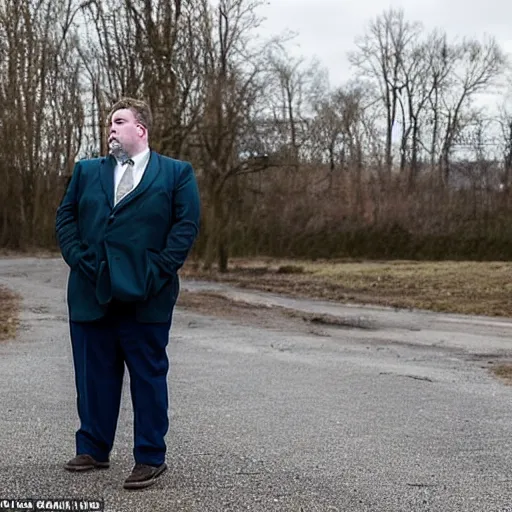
(140, 163)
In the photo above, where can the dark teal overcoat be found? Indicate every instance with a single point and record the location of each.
(132, 251)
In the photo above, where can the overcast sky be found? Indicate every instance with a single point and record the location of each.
(327, 28)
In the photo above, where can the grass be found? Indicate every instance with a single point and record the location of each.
(481, 288)
(503, 372)
(9, 311)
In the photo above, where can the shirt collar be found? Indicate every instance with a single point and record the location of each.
(139, 157)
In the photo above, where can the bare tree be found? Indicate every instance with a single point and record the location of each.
(504, 136)
(41, 123)
(328, 135)
(148, 49)
(476, 67)
(337, 130)
(294, 86)
(380, 58)
(233, 81)
(413, 100)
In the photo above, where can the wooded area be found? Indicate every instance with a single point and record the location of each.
(411, 157)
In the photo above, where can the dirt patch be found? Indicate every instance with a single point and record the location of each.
(329, 320)
(275, 317)
(480, 288)
(503, 372)
(9, 311)
(213, 304)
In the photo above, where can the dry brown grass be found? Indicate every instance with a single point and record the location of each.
(482, 288)
(9, 310)
(503, 372)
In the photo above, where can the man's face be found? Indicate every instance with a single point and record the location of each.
(126, 133)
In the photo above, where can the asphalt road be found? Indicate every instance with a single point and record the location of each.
(395, 411)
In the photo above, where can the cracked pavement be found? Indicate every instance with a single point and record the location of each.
(388, 411)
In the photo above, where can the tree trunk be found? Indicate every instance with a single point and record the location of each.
(217, 239)
(413, 172)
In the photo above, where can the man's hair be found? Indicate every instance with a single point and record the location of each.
(140, 110)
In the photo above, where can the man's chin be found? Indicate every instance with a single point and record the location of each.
(117, 150)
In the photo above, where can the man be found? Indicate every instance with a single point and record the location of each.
(125, 226)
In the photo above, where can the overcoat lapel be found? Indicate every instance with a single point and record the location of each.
(108, 164)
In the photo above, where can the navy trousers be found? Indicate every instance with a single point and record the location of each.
(100, 351)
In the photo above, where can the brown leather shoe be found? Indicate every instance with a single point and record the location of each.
(143, 476)
(84, 463)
